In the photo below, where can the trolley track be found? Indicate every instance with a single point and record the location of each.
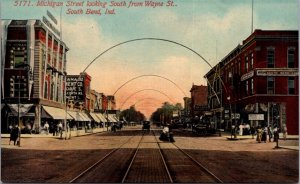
(184, 168)
(150, 160)
(106, 163)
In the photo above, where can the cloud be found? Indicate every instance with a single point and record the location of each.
(85, 40)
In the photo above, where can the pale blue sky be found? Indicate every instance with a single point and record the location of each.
(199, 24)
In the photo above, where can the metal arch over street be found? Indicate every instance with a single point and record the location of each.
(140, 39)
(143, 99)
(145, 90)
(155, 39)
(151, 75)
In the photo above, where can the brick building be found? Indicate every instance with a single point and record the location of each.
(257, 82)
(198, 100)
(33, 77)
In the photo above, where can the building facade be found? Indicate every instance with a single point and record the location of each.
(33, 72)
(258, 81)
(198, 100)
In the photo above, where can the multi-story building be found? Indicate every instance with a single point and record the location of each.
(187, 106)
(198, 100)
(33, 68)
(259, 81)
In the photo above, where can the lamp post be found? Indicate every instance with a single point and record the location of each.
(30, 82)
(230, 75)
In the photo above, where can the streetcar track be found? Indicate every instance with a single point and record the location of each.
(133, 158)
(128, 169)
(99, 161)
(163, 159)
(197, 163)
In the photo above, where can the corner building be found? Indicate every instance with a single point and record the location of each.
(257, 82)
(33, 68)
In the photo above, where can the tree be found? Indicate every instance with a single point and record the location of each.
(132, 115)
(165, 113)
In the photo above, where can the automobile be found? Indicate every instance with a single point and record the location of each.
(146, 125)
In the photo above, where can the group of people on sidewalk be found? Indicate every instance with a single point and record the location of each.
(267, 133)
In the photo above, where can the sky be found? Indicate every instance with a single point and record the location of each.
(167, 71)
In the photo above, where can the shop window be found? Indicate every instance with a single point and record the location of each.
(270, 85)
(291, 58)
(271, 57)
(291, 85)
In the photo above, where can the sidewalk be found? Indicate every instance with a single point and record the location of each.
(74, 133)
(291, 142)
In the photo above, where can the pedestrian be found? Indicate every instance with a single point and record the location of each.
(252, 131)
(60, 126)
(270, 133)
(264, 134)
(54, 129)
(284, 132)
(276, 134)
(259, 134)
(14, 134)
(46, 127)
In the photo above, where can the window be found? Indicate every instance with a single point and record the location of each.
(251, 61)
(246, 64)
(46, 90)
(291, 58)
(252, 86)
(271, 58)
(270, 85)
(247, 87)
(291, 85)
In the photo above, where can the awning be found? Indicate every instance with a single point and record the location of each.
(55, 113)
(79, 116)
(101, 117)
(111, 118)
(115, 117)
(24, 108)
(85, 116)
(95, 118)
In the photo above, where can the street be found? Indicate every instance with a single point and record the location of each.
(56, 160)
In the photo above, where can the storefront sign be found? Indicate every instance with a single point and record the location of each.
(247, 75)
(235, 116)
(282, 72)
(51, 26)
(75, 87)
(256, 117)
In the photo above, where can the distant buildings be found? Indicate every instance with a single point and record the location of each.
(257, 82)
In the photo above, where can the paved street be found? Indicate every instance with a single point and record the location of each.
(52, 159)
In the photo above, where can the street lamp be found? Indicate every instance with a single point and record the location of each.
(30, 83)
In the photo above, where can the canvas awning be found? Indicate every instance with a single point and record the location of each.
(85, 116)
(79, 116)
(115, 117)
(101, 117)
(95, 117)
(55, 113)
(111, 118)
(22, 109)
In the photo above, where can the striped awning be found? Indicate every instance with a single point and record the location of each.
(55, 113)
(95, 117)
(101, 117)
(79, 116)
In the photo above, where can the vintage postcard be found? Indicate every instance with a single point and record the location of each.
(149, 91)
